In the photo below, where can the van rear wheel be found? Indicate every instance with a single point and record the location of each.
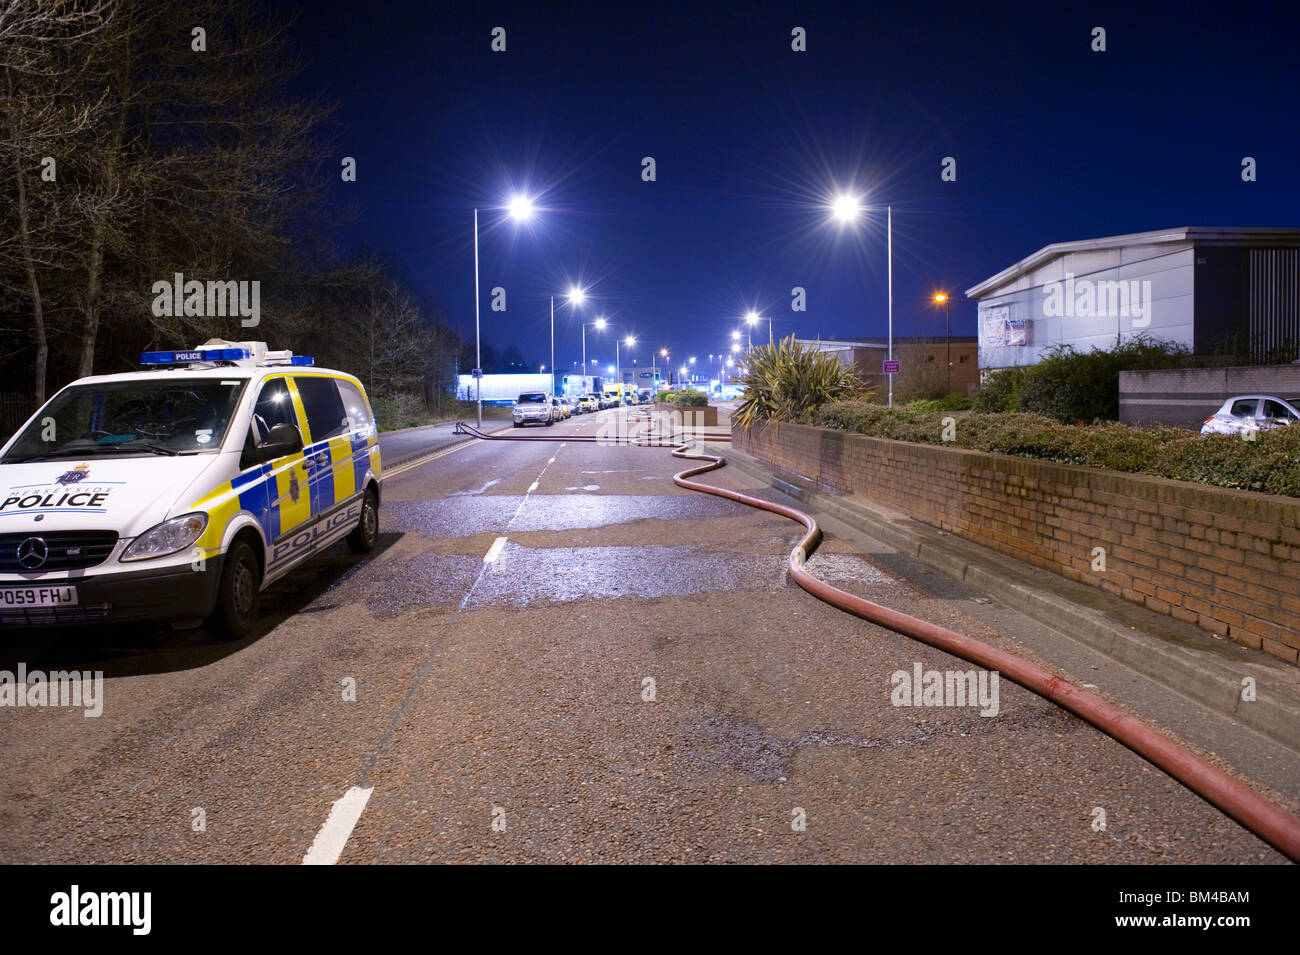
(238, 592)
(363, 539)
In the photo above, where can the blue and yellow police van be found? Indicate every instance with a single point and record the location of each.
(180, 492)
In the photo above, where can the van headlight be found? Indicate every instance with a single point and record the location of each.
(166, 538)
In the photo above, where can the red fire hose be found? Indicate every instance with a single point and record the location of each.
(1265, 819)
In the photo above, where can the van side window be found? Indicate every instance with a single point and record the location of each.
(358, 412)
(274, 406)
(320, 399)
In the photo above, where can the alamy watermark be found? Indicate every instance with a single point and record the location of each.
(1087, 298)
(130, 909)
(945, 688)
(208, 299)
(57, 688)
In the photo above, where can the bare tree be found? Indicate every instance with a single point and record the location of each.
(43, 116)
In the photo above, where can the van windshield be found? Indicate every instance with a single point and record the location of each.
(167, 416)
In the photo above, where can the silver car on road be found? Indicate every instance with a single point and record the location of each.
(533, 407)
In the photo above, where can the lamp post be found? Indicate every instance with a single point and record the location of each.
(618, 363)
(575, 297)
(846, 208)
(754, 317)
(520, 208)
(599, 323)
(942, 299)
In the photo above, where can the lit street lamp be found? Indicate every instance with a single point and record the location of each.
(599, 323)
(846, 209)
(753, 317)
(575, 297)
(618, 361)
(520, 208)
(942, 299)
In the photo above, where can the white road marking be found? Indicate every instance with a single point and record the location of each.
(533, 487)
(333, 836)
(494, 551)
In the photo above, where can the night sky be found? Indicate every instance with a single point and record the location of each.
(1053, 142)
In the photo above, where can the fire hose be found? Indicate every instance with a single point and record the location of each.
(1265, 819)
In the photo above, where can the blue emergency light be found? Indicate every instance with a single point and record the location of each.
(302, 360)
(183, 357)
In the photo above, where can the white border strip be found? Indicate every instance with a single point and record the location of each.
(333, 836)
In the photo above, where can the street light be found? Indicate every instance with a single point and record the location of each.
(629, 341)
(942, 299)
(753, 317)
(847, 208)
(575, 297)
(654, 365)
(598, 324)
(519, 208)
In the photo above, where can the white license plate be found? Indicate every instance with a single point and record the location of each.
(38, 596)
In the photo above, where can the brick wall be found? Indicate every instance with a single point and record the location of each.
(1226, 560)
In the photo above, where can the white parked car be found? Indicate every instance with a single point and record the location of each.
(533, 407)
(1251, 412)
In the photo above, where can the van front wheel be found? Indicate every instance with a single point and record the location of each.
(237, 593)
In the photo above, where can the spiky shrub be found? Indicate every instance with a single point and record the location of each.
(787, 381)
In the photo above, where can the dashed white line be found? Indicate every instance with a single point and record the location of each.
(494, 551)
(333, 836)
(533, 487)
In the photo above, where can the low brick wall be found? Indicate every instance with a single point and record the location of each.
(1226, 560)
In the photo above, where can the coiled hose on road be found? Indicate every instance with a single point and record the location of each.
(1265, 819)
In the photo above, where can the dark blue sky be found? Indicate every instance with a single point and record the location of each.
(1053, 142)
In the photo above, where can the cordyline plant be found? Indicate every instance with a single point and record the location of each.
(788, 381)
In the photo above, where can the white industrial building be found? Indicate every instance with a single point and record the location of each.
(1205, 288)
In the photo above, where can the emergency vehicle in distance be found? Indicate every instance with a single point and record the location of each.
(180, 492)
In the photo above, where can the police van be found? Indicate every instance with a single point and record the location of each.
(178, 493)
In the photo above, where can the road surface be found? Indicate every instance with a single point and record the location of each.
(558, 656)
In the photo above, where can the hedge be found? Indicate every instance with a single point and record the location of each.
(684, 398)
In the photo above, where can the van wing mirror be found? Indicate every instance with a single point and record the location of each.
(281, 440)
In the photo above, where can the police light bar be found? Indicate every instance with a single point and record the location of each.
(184, 357)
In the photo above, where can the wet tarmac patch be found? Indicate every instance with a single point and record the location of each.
(524, 575)
(464, 516)
(389, 588)
(563, 511)
(456, 517)
(721, 742)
